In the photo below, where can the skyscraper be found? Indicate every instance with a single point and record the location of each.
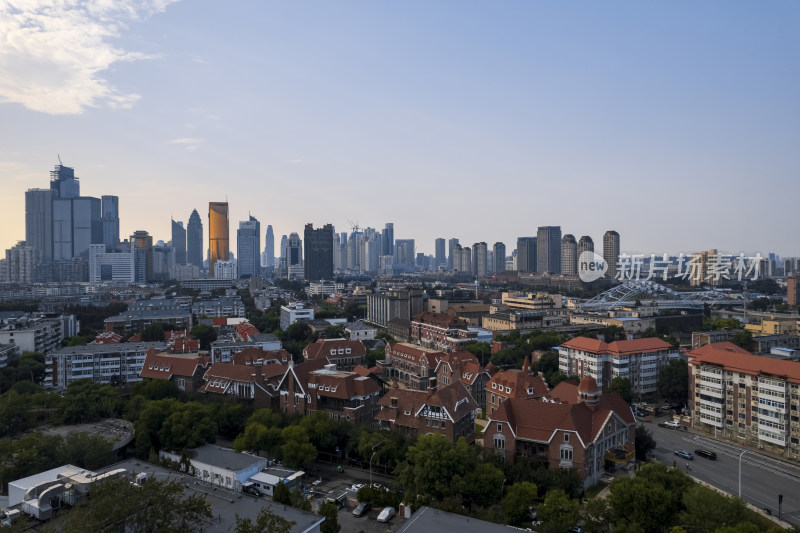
(499, 264)
(294, 256)
(586, 244)
(441, 258)
(269, 247)
(218, 234)
(179, 242)
(194, 240)
(387, 238)
(526, 254)
(63, 183)
(466, 260)
(611, 252)
(404, 252)
(110, 220)
(479, 252)
(318, 252)
(39, 222)
(143, 248)
(248, 240)
(452, 263)
(76, 220)
(283, 246)
(548, 249)
(569, 255)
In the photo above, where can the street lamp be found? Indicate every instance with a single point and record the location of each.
(740, 472)
(371, 457)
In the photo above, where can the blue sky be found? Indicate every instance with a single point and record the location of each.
(675, 123)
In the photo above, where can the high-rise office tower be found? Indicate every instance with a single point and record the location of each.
(611, 252)
(76, 219)
(466, 260)
(39, 222)
(441, 258)
(455, 257)
(218, 234)
(569, 255)
(143, 247)
(110, 219)
(318, 252)
(548, 249)
(404, 252)
(387, 238)
(179, 242)
(499, 251)
(585, 244)
(284, 240)
(194, 240)
(526, 254)
(269, 247)
(294, 256)
(451, 248)
(248, 241)
(63, 183)
(479, 261)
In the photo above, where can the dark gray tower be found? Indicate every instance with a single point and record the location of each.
(194, 240)
(110, 218)
(179, 242)
(270, 247)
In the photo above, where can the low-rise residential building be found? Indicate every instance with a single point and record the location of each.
(750, 399)
(463, 367)
(701, 338)
(133, 321)
(185, 370)
(102, 363)
(226, 306)
(448, 411)
(514, 383)
(578, 427)
(345, 354)
(317, 386)
(638, 360)
(440, 331)
(8, 352)
(360, 331)
(39, 334)
(524, 321)
(253, 382)
(410, 365)
(775, 325)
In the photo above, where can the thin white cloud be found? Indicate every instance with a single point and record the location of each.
(53, 54)
(296, 161)
(189, 143)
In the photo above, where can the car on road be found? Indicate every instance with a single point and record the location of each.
(386, 514)
(357, 486)
(252, 490)
(673, 424)
(362, 509)
(708, 454)
(685, 454)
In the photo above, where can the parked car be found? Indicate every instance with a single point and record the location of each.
(708, 454)
(251, 489)
(684, 454)
(386, 514)
(362, 509)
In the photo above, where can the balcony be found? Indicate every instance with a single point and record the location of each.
(772, 438)
(711, 421)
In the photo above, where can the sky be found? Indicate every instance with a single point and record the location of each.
(676, 124)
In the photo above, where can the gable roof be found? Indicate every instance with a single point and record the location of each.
(342, 385)
(455, 399)
(414, 353)
(626, 347)
(159, 365)
(520, 382)
(323, 347)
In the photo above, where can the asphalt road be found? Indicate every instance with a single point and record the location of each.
(763, 478)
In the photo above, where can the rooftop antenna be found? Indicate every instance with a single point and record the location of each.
(59, 159)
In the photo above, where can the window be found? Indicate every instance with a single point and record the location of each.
(566, 437)
(566, 453)
(500, 427)
(499, 442)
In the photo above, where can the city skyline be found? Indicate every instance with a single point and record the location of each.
(665, 124)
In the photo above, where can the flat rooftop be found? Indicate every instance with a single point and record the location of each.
(225, 457)
(429, 520)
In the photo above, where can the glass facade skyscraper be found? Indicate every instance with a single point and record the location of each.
(248, 239)
(194, 240)
(218, 234)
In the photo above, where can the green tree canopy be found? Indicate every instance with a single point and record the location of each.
(673, 382)
(266, 522)
(644, 442)
(331, 515)
(153, 333)
(205, 334)
(517, 501)
(621, 386)
(558, 513)
(297, 449)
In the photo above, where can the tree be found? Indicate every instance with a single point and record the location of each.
(706, 510)
(434, 468)
(297, 449)
(188, 426)
(743, 339)
(597, 516)
(281, 494)
(153, 333)
(266, 522)
(205, 334)
(87, 401)
(30, 367)
(517, 501)
(481, 485)
(117, 504)
(621, 386)
(331, 514)
(644, 442)
(558, 513)
(673, 383)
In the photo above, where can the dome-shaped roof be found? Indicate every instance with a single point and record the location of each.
(588, 385)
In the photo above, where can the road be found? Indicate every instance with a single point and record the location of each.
(763, 478)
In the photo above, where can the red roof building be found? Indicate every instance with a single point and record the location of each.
(514, 383)
(586, 430)
(411, 365)
(345, 354)
(440, 330)
(463, 367)
(750, 399)
(185, 370)
(107, 337)
(258, 383)
(638, 360)
(448, 411)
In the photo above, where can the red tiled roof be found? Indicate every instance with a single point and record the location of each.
(648, 344)
(737, 359)
(245, 329)
(323, 347)
(251, 355)
(415, 352)
(441, 320)
(519, 382)
(107, 337)
(409, 400)
(163, 366)
(342, 385)
(219, 321)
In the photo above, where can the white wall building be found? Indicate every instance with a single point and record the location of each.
(219, 466)
(102, 363)
(294, 311)
(114, 266)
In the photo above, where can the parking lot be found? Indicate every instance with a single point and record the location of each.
(332, 483)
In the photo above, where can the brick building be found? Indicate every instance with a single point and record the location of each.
(345, 354)
(185, 370)
(463, 367)
(514, 383)
(411, 365)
